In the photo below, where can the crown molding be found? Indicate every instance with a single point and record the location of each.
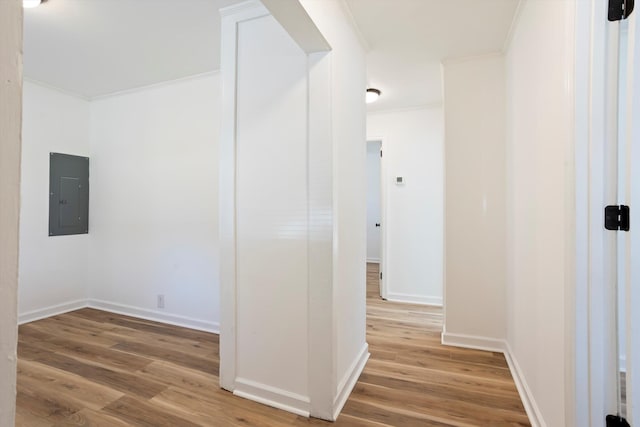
(55, 88)
(240, 7)
(407, 109)
(156, 85)
(513, 26)
(348, 13)
(462, 59)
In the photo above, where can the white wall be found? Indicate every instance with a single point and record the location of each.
(10, 125)
(475, 265)
(414, 225)
(272, 211)
(539, 67)
(53, 270)
(305, 110)
(348, 125)
(264, 212)
(153, 204)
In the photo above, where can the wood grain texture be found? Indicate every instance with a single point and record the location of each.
(92, 368)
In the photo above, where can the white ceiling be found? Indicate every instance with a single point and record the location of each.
(408, 39)
(97, 47)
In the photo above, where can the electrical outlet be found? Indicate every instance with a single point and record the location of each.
(160, 301)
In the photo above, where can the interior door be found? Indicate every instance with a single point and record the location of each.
(627, 250)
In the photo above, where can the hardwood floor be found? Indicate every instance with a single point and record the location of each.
(92, 368)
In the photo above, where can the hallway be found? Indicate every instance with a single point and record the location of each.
(412, 379)
(95, 368)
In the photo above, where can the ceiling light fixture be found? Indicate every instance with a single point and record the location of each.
(28, 4)
(372, 95)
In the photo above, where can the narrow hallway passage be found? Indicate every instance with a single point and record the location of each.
(412, 379)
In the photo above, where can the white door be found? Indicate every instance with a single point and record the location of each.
(626, 252)
(374, 217)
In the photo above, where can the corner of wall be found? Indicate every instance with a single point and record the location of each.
(527, 397)
(349, 380)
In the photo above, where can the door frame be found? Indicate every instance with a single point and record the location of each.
(589, 313)
(632, 151)
(383, 215)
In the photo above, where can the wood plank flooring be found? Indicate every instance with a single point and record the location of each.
(92, 368)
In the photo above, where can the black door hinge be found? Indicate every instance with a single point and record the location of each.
(381, 275)
(616, 217)
(380, 153)
(620, 9)
(616, 421)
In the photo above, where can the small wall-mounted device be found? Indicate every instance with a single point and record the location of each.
(399, 180)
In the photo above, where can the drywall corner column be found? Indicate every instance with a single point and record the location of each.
(322, 357)
(348, 133)
(10, 128)
(292, 210)
(475, 211)
(265, 214)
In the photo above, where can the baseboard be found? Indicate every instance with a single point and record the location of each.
(474, 342)
(414, 299)
(348, 382)
(53, 310)
(533, 412)
(373, 260)
(155, 315)
(501, 346)
(272, 396)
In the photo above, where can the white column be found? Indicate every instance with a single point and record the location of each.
(10, 129)
(293, 299)
(475, 211)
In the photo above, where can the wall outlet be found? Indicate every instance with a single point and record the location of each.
(160, 301)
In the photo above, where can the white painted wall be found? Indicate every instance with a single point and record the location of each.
(348, 125)
(539, 67)
(374, 207)
(153, 205)
(272, 212)
(414, 149)
(53, 270)
(305, 110)
(475, 267)
(264, 212)
(10, 127)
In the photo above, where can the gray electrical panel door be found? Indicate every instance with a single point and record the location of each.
(68, 194)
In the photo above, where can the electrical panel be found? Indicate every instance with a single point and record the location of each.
(68, 194)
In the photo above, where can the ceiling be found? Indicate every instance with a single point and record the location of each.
(408, 39)
(98, 47)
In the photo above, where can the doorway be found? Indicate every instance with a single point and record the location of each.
(374, 208)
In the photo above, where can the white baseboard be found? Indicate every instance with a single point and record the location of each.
(414, 299)
(473, 341)
(155, 315)
(272, 396)
(53, 310)
(373, 260)
(501, 346)
(533, 412)
(127, 310)
(348, 382)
